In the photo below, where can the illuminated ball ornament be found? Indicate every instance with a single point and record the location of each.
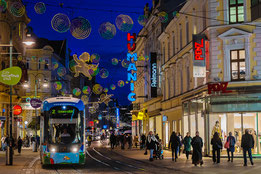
(55, 65)
(104, 73)
(76, 91)
(175, 14)
(40, 8)
(97, 89)
(61, 71)
(127, 82)
(80, 28)
(95, 58)
(92, 110)
(64, 91)
(124, 23)
(17, 9)
(33, 58)
(96, 105)
(142, 20)
(3, 5)
(57, 86)
(20, 58)
(72, 65)
(113, 87)
(114, 61)
(125, 63)
(107, 30)
(85, 99)
(163, 17)
(61, 23)
(105, 90)
(86, 90)
(102, 96)
(121, 83)
(94, 72)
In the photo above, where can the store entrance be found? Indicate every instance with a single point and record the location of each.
(236, 123)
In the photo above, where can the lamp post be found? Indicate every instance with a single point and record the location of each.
(9, 151)
(45, 85)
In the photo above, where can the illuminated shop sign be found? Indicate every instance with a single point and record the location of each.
(218, 87)
(132, 70)
(153, 74)
(199, 55)
(117, 118)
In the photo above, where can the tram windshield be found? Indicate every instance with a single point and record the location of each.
(65, 125)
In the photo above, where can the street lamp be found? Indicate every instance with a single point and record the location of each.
(36, 83)
(9, 151)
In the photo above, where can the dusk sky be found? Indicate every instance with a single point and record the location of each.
(96, 12)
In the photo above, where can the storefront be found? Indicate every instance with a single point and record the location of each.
(224, 113)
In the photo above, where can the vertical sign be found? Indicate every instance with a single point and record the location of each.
(153, 74)
(199, 56)
(117, 118)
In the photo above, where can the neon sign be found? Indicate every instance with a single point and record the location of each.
(199, 52)
(132, 58)
(153, 74)
(218, 87)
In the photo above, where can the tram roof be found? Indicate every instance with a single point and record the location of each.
(62, 101)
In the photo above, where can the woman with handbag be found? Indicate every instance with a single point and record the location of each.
(230, 146)
(216, 147)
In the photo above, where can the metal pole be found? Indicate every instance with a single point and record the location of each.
(35, 140)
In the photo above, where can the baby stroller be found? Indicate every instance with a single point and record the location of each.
(158, 151)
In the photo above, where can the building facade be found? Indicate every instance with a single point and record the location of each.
(226, 97)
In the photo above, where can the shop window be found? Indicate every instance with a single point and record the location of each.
(236, 11)
(255, 9)
(238, 65)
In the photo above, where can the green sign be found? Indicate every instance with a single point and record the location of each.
(62, 111)
(11, 76)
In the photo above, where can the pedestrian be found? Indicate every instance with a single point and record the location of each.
(230, 146)
(157, 136)
(143, 141)
(187, 144)
(122, 141)
(216, 147)
(27, 141)
(174, 143)
(180, 140)
(3, 143)
(247, 143)
(151, 144)
(136, 140)
(112, 140)
(19, 144)
(129, 140)
(197, 145)
(89, 140)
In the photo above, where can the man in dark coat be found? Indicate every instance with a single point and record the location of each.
(174, 143)
(197, 145)
(247, 143)
(19, 144)
(112, 140)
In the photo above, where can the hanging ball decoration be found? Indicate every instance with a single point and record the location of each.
(94, 72)
(163, 17)
(120, 83)
(33, 58)
(61, 71)
(3, 5)
(97, 89)
(107, 30)
(96, 105)
(40, 8)
(125, 63)
(17, 9)
(127, 82)
(113, 87)
(72, 65)
(64, 91)
(105, 90)
(92, 110)
(175, 14)
(55, 65)
(142, 20)
(80, 28)
(61, 23)
(57, 86)
(124, 23)
(102, 96)
(85, 99)
(104, 73)
(20, 58)
(76, 91)
(95, 58)
(86, 90)
(114, 61)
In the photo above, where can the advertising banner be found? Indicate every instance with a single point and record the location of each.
(153, 74)
(35, 103)
(11, 76)
(199, 55)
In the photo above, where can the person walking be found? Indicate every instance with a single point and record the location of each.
(151, 144)
(112, 140)
(187, 144)
(181, 141)
(136, 140)
(230, 146)
(247, 143)
(216, 147)
(143, 141)
(122, 141)
(197, 145)
(19, 144)
(174, 143)
(129, 140)
(3, 143)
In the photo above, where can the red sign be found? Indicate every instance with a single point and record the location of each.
(17, 110)
(198, 50)
(218, 87)
(133, 37)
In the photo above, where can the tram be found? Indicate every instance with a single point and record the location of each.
(62, 131)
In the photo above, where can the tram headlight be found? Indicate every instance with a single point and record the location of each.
(53, 150)
(74, 149)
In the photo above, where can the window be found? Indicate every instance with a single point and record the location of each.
(173, 44)
(238, 65)
(204, 17)
(27, 63)
(181, 82)
(46, 64)
(236, 11)
(174, 126)
(169, 86)
(180, 37)
(39, 64)
(168, 49)
(187, 32)
(163, 54)
(174, 87)
(188, 78)
(255, 9)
